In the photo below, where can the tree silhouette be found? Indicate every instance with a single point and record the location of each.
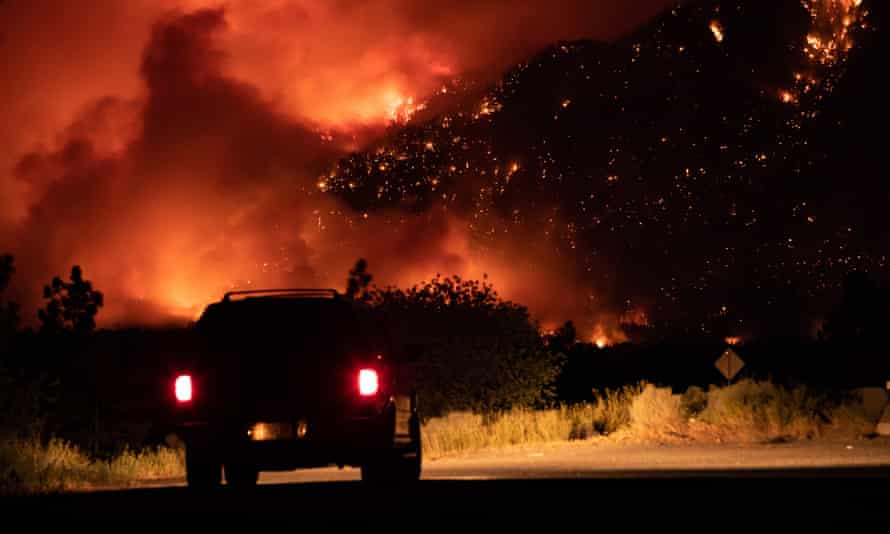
(7, 269)
(9, 316)
(862, 314)
(358, 281)
(71, 306)
(479, 352)
(563, 338)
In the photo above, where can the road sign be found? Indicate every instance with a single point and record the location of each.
(729, 364)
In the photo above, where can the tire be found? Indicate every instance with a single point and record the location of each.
(202, 468)
(396, 466)
(241, 476)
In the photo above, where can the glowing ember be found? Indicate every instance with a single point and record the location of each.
(717, 30)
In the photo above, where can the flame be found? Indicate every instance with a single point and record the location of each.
(717, 30)
(401, 109)
(825, 48)
(733, 340)
(829, 38)
(607, 333)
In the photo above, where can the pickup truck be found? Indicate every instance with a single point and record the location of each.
(296, 378)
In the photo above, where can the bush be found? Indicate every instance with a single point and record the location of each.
(656, 412)
(479, 352)
(752, 411)
(611, 410)
(694, 401)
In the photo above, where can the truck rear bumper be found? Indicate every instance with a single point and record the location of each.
(287, 446)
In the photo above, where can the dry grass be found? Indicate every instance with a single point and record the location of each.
(462, 431)
(28, 466)
(744, 412)
(612, 408)
(147, 464)
(747, 411)
(751, 411)
(657, 413)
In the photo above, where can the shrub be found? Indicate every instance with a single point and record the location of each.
(656, 412)
(750, 411)
(479, 352)
(612, 408)
(694, 401)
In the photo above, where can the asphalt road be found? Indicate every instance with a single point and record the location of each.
(798, 485)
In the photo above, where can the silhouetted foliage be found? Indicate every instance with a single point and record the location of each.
(71, 306)
(563, 338)
(9, 311)
(863, 313)
(25, 386)
(7, 269)
(479, 352)
(358, 281)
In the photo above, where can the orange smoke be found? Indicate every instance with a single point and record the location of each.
(173, 151)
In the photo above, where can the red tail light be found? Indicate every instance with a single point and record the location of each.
(183, 388)
(368, 383)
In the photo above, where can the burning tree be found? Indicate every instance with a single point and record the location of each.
(71, 306)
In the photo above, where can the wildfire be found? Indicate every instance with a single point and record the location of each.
(608, 333)
(488, 106)
(825, 48)
(830, 36)
(401, 110)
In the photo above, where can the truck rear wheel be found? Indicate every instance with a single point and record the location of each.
(202, 468)
(396, 465)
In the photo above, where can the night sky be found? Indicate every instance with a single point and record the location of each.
(715, 166)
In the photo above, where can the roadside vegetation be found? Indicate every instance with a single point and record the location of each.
(29, 466)
(746, 412)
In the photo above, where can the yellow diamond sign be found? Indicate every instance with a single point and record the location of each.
(729, 364)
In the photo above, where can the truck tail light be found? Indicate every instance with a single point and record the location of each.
(368, 382)
(182, 388)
